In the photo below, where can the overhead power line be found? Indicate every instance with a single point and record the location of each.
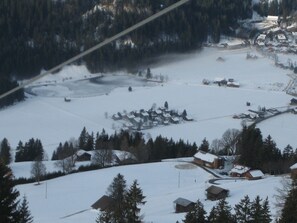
(99, 45)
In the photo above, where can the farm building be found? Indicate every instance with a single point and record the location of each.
(254, 175)
(294, 171)
(183, 205)
(293, 101)
(216, 193)
(208, 160)
(82, 155)
(103, 203)
(239, 171)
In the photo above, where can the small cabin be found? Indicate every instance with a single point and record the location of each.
(183, 205)
(67, 99)
(104, 203)
(82, 155)
(216, 193)
(254, 175)
(239, 171)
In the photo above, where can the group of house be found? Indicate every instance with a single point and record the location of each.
(229, 82)
(213, 192)
(212, 161)
(146, 119)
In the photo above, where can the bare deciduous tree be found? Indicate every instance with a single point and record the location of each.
(38, 170)
(216, 146)
(229, 140)
(102, 157)
(66, 164)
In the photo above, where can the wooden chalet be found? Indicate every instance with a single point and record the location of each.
(183, 205)
(294, 171)
(82, 155)
(202, 158)
(239, 171)
(216, 193)
(254, 175)
(104, 203)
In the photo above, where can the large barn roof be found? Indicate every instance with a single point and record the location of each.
(205, 156)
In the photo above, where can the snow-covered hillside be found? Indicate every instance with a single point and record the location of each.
(46, 116)
(162, 183)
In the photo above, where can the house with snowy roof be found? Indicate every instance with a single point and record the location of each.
(239, 171)
(254, 175)
(202, 158)
(294, 171)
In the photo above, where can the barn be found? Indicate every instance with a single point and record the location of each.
(202, 158)
(104, 203)
(216, 193)
(183, 205)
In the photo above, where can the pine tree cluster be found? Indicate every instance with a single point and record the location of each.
(264, 154)
(246, 211)
(31, 151)
(126, 205)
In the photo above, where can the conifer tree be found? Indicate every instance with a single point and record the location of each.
(5, 155)
(290, 208)
(204, 145)
(117, 190)
(243, 210)
(198, 214)
(8, 197)
(221, 213)
(260, 211)
(25, 215)
(133, 199)
(82, 140)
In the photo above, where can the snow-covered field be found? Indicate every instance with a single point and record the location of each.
(162, 183)
(46, 116)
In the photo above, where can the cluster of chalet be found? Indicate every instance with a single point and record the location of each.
(246, 172)
(212, 161)
(146, 119)
(229, 82)
(253, 115)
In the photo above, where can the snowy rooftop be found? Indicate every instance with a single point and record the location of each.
(256, 173)
(205, 156)
(239, 169)
(294, 166)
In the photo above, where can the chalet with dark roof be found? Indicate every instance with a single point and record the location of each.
(216, 193)
(183, 205)
(104, 203)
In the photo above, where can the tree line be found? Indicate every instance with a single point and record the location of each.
(135, 143)
(262, 154)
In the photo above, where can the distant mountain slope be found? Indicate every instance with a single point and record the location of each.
(41, 34)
